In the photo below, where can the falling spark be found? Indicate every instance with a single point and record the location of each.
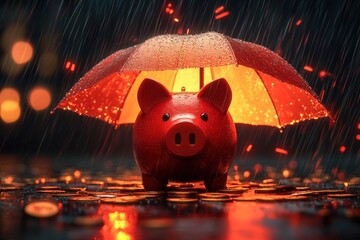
(176, 20)
(188, 31)
(281, 151)
(346, 185)
(322, 74)
(67, 65)
(249, 147)
(342, 149)
(72, 67)
(222, 15)
(219, 9)
(298, 22)
(171, 11)
(308, 68)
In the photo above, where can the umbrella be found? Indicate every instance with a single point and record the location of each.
(266, 89)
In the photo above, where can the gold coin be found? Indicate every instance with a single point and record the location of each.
(122, 200)
(214, 195)
(49, 188)
(342, 195)
(50, 191)
(8, 189)
(182, 200)
(216, 199)
(181, 193)
(41, 209)
(302, 188)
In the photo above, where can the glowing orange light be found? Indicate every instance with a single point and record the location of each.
(342, 149)
(298, 22)
(308, 68)
(176, 20)
(222, 15)
(286, 173)
(169, 5)
(246, 174)
(249, 147)
(68, 64)
(219, 9)
(21, 52)
(10, 111)
(42, 180)
(83, 180)
(358, 137)
(37, 181)
(322, 74)
(188, 31)
(9, 94)
(39, 98)
(358, 126)
(167, 10)
(72, 67)
(9, 179)
(68, 179)
(171, 11)
(281, 151)
(77, 174)
(346, 184)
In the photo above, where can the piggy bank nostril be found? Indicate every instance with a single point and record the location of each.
(192, 139)
(177, 139)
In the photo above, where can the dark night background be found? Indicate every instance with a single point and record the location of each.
(85, 32)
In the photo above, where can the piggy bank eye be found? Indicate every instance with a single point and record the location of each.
(204, 117)
(166, 117)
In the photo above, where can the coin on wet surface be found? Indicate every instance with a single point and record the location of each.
(214, 195)
(123, 200)
(8, 189)
(342, 195)
(238, 190)
(41, 209)
(182, 200)
(182, 193)
(216, 199)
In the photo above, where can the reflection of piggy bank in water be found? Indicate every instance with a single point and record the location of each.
(184, 137)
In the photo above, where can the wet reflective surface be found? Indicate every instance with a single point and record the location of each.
(79, 206)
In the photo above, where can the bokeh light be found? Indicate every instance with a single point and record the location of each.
(10, 111)
(286, 173)
(22, 52)
(39, 98)
(9, 94)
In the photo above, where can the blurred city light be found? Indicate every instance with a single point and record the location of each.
(10, 111)
(39, 98)
(22, 52)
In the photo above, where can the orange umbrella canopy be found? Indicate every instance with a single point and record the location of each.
(266, 89)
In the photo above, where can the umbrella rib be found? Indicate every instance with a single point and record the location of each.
(117, 123)
(272, 101)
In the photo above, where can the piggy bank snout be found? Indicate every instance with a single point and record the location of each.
(185, 139)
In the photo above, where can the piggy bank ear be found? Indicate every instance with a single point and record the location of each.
(151, 93)
(218, 92)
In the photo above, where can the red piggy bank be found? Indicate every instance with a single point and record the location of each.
(184, 137)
